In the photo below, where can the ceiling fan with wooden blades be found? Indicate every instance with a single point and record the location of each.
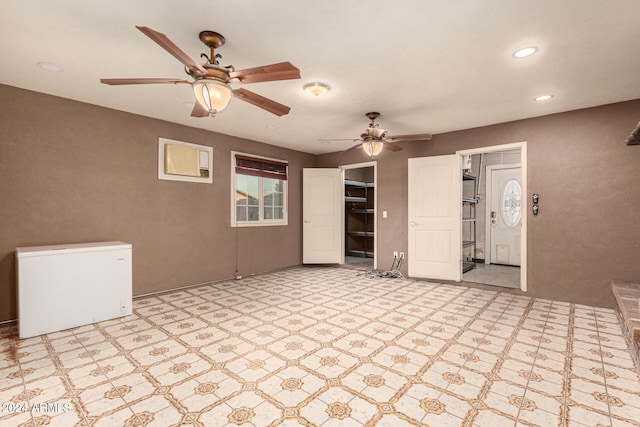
(374, 139)
(211, 80)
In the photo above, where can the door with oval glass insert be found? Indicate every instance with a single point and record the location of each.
(505, 215)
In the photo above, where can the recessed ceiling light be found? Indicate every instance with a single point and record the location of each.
(49, 67)
(525, 51)
(316, 88)
(543, 97)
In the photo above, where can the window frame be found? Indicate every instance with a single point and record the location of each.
(262, 222)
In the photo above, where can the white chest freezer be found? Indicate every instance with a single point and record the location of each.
(65, 286)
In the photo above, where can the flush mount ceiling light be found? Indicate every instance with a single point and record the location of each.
(543, 97)
(524, 52)
(316, 88)
(49, 67)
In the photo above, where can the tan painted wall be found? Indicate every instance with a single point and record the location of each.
(588, 230)
(73, 172)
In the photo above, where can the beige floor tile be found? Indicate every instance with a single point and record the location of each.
(442, 419)
(375, 382)
(480, 361)
(392, 420)
(255, 366)
(329, 362)
(584, 416)
(490, 418)
(247, 407)
(324, 346)
(591, 397)
(178, 369)
(505, 406)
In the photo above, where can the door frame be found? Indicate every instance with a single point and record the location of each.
(487, 207)
(375, 207)
(525, 196)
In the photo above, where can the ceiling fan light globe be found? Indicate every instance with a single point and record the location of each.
(214, 96)
(372, 148)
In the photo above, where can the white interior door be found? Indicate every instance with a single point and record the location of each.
(435, 187)
(322, 202)
(505, 215)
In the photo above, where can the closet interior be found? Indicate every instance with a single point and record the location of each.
(359, 193)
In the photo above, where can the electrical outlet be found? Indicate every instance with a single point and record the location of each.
(395, 254)
(401, 255)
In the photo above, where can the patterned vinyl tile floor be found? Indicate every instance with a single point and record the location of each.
(324, 346)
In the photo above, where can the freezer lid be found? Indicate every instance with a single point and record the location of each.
(29, 251)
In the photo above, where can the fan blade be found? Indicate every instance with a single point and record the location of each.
(140, 81)
(174, 50)
(392, 147)
(266, 73)
(262, 102)
(199, 110)
(417, 137)
(352, 148)
(339, 139)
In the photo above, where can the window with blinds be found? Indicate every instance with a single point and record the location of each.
(261, 167)
(259, 191)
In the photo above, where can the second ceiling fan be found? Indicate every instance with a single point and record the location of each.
(374, 138)
(211, 80)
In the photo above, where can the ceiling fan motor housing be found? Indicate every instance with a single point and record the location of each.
(374, 133)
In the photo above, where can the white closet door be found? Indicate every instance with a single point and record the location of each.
(435, 187)
(322, 206)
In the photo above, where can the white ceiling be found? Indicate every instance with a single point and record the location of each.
(429, 66)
